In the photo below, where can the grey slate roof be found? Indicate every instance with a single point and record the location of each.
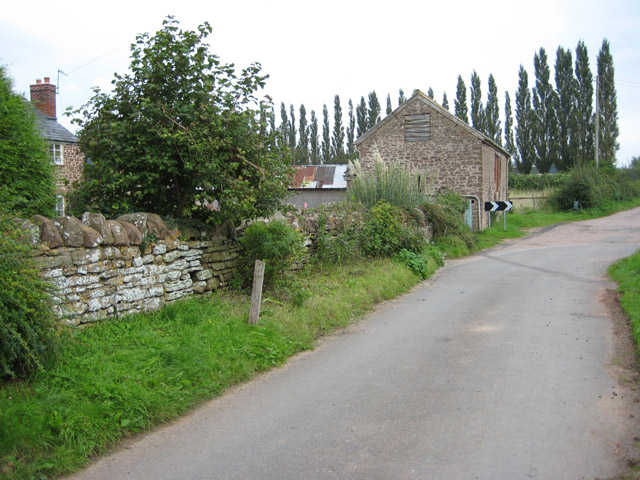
(52, 131)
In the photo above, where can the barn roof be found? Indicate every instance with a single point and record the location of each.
(419, 96)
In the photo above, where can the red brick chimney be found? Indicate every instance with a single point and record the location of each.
(43, 95)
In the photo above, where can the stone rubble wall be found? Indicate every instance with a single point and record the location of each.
(101, 268)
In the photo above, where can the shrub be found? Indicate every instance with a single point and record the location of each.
(539, 182)
(384, 233)
(581, 187)
(275, 243)
(394, 184)
(27, 340)
(418, 263)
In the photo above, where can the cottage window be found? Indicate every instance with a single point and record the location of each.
(55, 150)
(417, 128)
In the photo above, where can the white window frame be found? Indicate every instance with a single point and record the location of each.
(56, 151)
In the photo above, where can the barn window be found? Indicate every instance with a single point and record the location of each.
(417, 128)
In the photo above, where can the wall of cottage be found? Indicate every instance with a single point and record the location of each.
(71, 169)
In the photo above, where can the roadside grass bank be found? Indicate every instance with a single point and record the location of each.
(132, 374)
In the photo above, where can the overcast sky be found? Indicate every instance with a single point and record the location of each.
(315, 50)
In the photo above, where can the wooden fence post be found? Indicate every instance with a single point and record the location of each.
(256, 293)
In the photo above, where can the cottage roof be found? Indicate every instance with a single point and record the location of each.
(52, 131)
(419, 96)
(319, 177)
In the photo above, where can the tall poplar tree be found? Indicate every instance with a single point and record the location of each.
(478, 120)
(337, 140)
(302, 150)
(326, 136)
(524, 127)
(460, 103)
(361, 116)
(566, 107)
(314, 146)
(401, 97)
(373, 115)
(389, 107)
(509, 142)
(584, 136)
(445, 101)
(292, 129)
(284, 124)
(493, 130)
(430, 94)
(608, 105)
(351, 132)
(544, 109)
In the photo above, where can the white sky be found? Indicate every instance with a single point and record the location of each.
(315, 50)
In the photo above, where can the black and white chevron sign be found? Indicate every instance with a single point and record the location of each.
(497, 206)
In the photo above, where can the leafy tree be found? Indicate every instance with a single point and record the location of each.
(389, 107)
(566, 109)
(430, 94)
(478, 120)
(445, 101)
(509, 143)
(361, 116)
(492, 113)
(460, 103)
(314, 145)
(544, 109)
(584, 137)
(302, 149)
(524, 127)
(326, 136)
(401, 97)
(337, 140)
(351, 132)
(373, 115)
(608, 126)
(181, 132)
(27, 182)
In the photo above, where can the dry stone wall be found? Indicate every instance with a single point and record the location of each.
(102, 268)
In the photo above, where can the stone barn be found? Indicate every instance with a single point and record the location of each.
(443, 151)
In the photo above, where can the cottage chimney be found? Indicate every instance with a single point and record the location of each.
(43, 96)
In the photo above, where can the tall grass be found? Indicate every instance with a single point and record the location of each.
(394, 184)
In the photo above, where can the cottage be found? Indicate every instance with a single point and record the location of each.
(63, 145)
(451, 154)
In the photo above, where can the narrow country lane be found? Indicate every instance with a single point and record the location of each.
(503, 366)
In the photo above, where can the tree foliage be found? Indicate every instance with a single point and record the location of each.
(375, 110)
(460, 103)
(337, 139)
(566, 107)
(493, 130)
(509, 142)
(544, 109)
(524, 127)
(608, 104)
(27, 183)
(584, 139)
(180, 133)
(326, 136)
(478, 120)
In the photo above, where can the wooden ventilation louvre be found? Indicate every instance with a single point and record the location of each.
(417, 128)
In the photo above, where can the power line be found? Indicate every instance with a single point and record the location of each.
(628, 83)
(97, 58)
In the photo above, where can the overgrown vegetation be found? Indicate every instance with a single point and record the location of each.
(27, 339)
(539, 182)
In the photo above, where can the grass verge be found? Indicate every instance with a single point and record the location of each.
(135, 373)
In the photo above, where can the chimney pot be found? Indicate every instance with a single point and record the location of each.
(38, 81)
(47, 79)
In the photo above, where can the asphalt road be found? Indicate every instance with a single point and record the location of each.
(502, 366)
